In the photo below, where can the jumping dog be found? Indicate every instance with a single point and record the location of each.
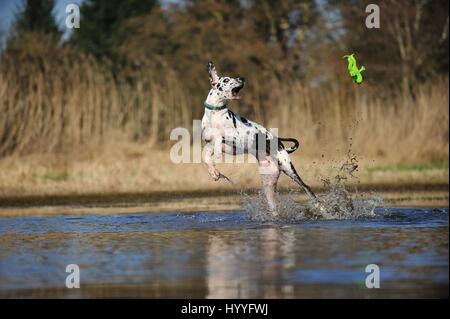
(225, 131)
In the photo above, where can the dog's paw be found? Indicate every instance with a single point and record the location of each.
(214, 173)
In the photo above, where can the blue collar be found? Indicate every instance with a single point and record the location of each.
(214, 108)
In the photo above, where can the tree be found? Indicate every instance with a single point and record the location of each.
(283, 22)
(418, 31)
(102, 24)
(36, 16)
(410, 45)
(34, 34)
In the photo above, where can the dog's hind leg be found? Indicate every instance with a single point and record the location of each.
(286, 166)
(270, 172)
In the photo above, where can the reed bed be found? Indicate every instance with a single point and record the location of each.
(65, 106)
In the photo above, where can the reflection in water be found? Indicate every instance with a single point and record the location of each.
(244, 269)
(224, 255)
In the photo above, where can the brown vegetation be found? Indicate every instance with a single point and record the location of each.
(69, 118)
(65, 104)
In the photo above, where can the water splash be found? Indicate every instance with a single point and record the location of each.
(337, 201)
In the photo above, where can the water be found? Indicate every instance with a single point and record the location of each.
(336, 203)
(228, 254)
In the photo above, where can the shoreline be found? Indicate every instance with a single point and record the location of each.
(435, 195)
(95, 198)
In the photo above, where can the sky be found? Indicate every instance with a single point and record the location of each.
(9, 8)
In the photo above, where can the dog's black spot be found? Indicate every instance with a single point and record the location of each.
(231, 114)
(244, 120)
(248, 132)
(267, 144)
(233, 145)
(293, 169)
(226, 81)
(257, 146)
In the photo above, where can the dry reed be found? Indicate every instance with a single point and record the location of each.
(49, 108)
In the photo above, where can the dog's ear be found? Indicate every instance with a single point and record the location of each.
(213, 77)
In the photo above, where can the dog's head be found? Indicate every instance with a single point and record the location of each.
(224, 87)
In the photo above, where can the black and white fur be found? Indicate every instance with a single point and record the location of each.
(225, 131)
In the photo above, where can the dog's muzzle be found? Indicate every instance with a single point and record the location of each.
(235, 92)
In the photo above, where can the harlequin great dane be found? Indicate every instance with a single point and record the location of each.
(225, 131)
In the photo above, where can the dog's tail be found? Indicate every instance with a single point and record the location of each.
(292, 140)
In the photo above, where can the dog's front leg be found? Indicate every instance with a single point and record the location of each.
(210, 153)
(212, 150)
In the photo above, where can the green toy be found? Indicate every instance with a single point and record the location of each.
(355, 73)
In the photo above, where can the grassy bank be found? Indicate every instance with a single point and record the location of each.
(140, 168)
